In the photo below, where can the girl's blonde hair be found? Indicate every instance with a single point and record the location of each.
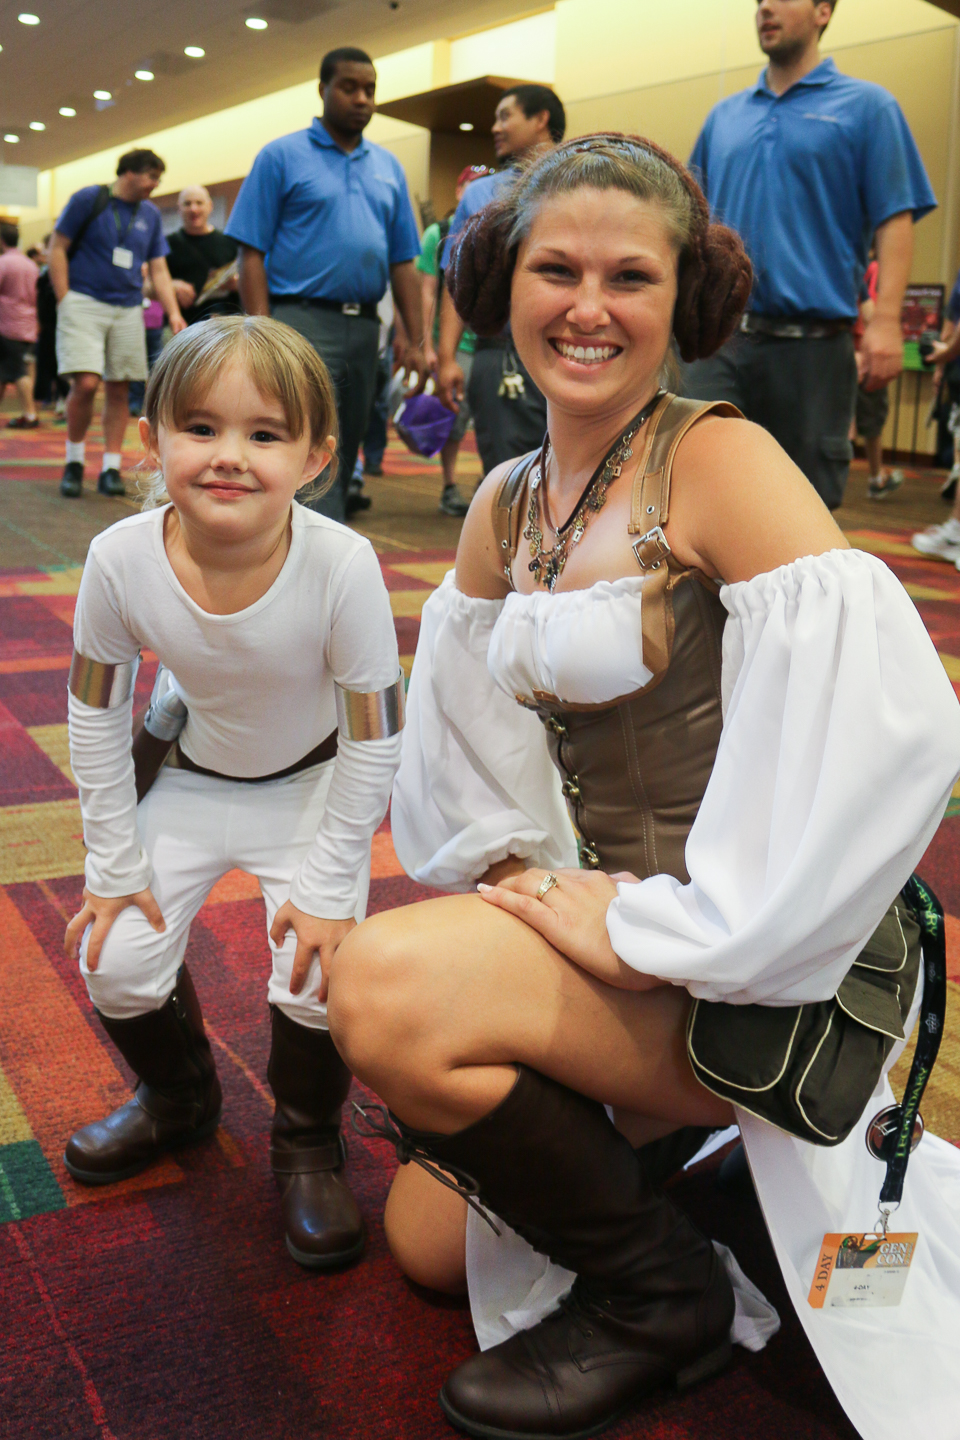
(278, 360)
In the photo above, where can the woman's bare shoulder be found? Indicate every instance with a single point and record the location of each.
(479, 556)
(740, 506)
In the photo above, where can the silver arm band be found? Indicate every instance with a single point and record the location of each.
(167, 714)
(102, 686)
(371, 714)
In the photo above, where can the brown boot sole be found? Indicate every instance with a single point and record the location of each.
(111, 1177)
(337, 1260)
(703, 1369)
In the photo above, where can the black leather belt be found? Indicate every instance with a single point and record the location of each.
(345, 307)
(326, 750)
(786, 327)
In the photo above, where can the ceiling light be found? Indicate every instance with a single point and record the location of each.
(255, 24)
(143, 74)
(465, 125)
(1, 47)
(37, 125)
(102, 95)
(26, 19)
(68, 111)
(12, 139)
(194, 51)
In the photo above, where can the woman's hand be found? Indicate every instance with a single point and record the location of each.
(572, 916)
(100, 912)
(314, 937)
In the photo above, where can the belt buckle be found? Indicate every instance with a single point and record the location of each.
(651, 549)
(350, 308)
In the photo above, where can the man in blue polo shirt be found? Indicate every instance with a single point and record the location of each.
(810, 165)
(509, 412)
(325, 223)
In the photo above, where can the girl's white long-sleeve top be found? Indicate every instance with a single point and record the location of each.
(258, 686)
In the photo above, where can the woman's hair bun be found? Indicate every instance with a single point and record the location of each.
(481, 269)
(713, 289)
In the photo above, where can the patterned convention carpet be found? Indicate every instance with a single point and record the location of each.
(166, 1308)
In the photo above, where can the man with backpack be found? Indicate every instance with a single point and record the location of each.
(102, 238)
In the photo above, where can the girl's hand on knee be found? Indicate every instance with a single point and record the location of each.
(569, 909)
(314, 937)
(100, 911)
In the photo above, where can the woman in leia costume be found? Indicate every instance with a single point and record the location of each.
(688, 745)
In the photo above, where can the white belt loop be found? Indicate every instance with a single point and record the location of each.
(371, 714)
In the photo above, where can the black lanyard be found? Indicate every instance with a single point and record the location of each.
(122, 234)
(898, 1141)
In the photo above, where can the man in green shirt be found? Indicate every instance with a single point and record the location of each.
(451, 502)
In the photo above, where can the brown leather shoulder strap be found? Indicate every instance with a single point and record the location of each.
(508, 510)
(650, 502)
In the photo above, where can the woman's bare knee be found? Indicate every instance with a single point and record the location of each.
(372, 992)
(426, 1229)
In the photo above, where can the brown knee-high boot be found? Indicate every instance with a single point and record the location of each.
(177, 1101)
(651, 1305)
(323, 1224)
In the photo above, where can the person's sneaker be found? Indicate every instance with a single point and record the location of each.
(356, 501)
(24, 422)
(110, 483)
(948, 490)
(940, 541)
(71, 482)
(884, 484)
(375, 470)
(452, 503)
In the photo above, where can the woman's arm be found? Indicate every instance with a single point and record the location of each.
(740, 507)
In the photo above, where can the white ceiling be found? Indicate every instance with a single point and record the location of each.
(86, 45)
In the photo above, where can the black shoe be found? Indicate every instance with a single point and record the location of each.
(356, 501)
(110, 483)
(375, 470)
(71, 483)
(452, 503)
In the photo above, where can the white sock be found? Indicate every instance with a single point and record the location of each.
(110, 461)
(76, 450)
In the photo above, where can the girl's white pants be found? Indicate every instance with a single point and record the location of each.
(195, 829)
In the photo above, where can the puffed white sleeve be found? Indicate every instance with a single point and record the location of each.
(839, 749)
(476, 782)
(100, 744)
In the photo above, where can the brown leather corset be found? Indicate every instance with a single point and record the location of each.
(634, 772)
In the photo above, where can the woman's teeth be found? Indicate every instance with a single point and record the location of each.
(586, 354)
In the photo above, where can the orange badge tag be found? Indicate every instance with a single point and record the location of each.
(854, 1271)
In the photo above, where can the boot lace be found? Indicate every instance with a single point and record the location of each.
(408, 1150)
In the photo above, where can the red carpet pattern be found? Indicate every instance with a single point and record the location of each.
(167, 1306)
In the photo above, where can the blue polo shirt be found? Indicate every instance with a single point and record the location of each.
(137, 228)
(477, 194)
(330, 223)
(807, 177)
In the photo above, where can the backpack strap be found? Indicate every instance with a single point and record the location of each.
(649, 513)
(100, 203)
(507, 510)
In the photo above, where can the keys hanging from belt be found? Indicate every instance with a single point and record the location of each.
(511, 380)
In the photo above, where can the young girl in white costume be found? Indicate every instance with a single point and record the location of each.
(276, 624)
(747, 717)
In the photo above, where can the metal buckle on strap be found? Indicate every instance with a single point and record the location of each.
(351, 307)
(371, 714)
(103, 687)
(651, 549)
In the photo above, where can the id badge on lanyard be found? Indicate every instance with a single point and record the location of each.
(122, 256)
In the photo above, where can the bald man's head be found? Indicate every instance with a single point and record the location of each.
(195, 208)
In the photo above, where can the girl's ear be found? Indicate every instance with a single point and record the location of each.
(318, 458)
(147, 440)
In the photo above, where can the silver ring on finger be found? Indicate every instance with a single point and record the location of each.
(547, 883)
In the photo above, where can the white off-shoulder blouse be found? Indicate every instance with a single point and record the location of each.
(839, 749)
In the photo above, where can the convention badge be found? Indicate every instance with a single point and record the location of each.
(123, 257)
(856, 1271)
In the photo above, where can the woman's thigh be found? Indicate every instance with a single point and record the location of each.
(435, 1004)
